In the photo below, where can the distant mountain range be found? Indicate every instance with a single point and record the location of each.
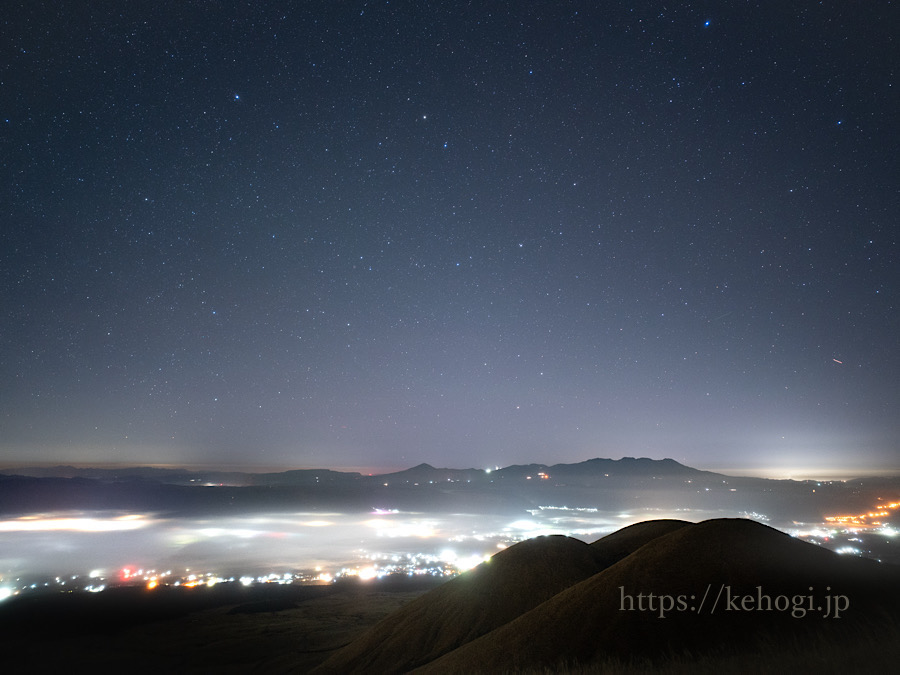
(591, 469)
(659, 591)
(627, 466)
(606, 484)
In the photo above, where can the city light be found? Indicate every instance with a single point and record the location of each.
(325, 548)
(865, 520)
(77, 523)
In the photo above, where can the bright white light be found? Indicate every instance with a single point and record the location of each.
(367, 573)
(468, 562)
(388, 528)
(5, 593)
(524, 525)
(82, 524)
(216, 532)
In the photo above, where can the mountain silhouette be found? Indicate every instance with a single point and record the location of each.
(621, 543)
(538, 604)
(495, 592)
(473, 604)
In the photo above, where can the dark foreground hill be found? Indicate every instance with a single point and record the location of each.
(662, 590)
(511, 583)
(621, 543)
(229, 628)
(496, 592)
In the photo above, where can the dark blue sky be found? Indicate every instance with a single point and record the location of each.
(373, 234)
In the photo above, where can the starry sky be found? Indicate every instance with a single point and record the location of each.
(374, 234)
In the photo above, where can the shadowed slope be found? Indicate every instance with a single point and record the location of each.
(512, 582)
(621, 543)
(736, 557)
(494, 593)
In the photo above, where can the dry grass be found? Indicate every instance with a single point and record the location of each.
(578, 625)
(875, 650)
(471, 605)
(216, 640)
(585, 622)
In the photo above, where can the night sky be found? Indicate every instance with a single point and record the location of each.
(372, 234)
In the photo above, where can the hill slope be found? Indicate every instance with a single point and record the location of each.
(621, 543)
(601, 617)
(494, 593)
